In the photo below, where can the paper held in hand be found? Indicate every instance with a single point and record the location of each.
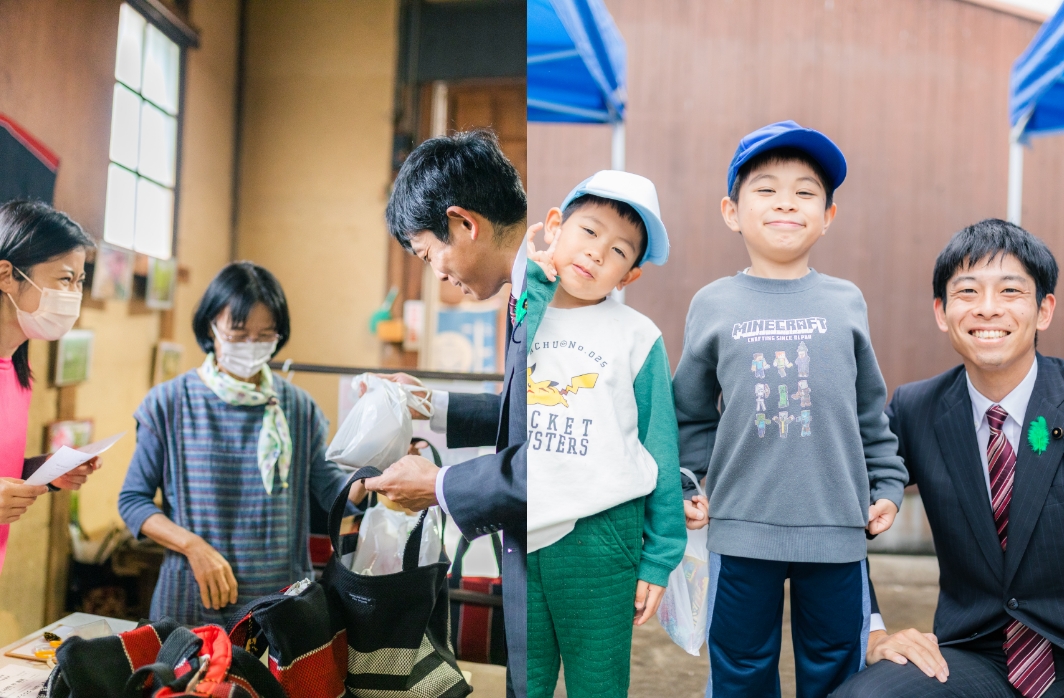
(66, 459)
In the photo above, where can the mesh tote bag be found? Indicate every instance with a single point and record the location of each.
(398, 625)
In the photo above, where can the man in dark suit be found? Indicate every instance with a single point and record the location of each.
(459, 205)
(984, 443)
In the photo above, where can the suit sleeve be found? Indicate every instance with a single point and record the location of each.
(488, 494)
(664, 530)
(697, 392)
(871, 588)
(894, 415)
(472, 419)
(886, 469)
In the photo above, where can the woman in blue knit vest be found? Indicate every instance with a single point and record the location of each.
(237, 453)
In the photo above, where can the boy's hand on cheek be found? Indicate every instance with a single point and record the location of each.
(647, 598)
(881, 516)
(696, 512)
(544, 258)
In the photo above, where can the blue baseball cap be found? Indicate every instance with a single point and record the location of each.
(788, 134)
(639, 193)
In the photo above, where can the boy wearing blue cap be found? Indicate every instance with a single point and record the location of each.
(793, 500)
(605, 511)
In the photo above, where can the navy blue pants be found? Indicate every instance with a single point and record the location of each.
(830, 613)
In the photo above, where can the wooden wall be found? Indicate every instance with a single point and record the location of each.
(913, 91)
(57, 78)
(315, 171)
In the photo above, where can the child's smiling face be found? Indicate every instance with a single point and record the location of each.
(781, 212)
(595, 252)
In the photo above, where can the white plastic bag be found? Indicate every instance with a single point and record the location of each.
(683, 607)
(378, 429)
(382, 538)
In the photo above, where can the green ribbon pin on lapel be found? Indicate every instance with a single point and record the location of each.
(522, 309)
(1038, 435)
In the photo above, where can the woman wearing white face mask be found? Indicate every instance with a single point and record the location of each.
(42, 269)
(237, 453)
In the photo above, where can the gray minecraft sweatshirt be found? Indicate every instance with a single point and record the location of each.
(799, 446)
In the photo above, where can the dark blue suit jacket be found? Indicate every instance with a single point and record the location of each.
(488, 494)
(981, 587)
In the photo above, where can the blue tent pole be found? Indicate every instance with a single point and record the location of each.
(1014, 206)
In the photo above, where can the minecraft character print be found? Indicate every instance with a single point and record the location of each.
(784, 402)
(802, 362)
(761, 421)
(781, 363)
(806, 420)
(783, 420)
(759, 365)
(761, 392)
(803, 394)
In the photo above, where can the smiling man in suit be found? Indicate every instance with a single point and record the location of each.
(983, 442)
(459, 205)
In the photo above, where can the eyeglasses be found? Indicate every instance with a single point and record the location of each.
(240, 336)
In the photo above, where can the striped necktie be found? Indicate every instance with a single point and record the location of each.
(1028, 655)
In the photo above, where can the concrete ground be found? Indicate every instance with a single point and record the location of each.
(907, 590)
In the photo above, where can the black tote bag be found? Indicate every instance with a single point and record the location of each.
(398, 625)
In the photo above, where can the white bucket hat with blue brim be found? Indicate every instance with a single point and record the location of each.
(639, 193)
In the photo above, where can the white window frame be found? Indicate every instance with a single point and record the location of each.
(177, 31)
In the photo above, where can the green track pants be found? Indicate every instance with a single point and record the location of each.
(581, 601)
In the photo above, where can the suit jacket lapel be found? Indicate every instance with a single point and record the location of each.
(1034, 472)
(955, 429)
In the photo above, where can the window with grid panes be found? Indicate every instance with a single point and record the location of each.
(142, 173)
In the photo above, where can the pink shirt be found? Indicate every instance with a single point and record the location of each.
(14, 418)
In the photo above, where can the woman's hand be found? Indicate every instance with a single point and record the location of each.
(544, 258)
(358, 493)
(74, 479)
(16, 497)
(213, 574)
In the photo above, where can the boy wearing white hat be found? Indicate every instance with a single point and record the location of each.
(605, 506)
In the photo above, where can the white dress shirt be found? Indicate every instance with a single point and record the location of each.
(440, 398)
(1015, 404)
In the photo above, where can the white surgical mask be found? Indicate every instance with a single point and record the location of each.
(54, 317)
(244, 359)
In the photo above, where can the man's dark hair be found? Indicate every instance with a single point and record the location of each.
(32, 232)
(625, 211)
(987, 240)
(467, 169)
(239, 286)
(779, 156)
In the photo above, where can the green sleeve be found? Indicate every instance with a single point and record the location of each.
(664, 530)
(538, 294)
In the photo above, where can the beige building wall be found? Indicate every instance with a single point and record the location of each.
(56, 79)
(315, 171)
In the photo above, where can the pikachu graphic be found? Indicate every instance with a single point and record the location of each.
(548, 393)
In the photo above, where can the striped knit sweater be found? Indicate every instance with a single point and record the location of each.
(201, 452)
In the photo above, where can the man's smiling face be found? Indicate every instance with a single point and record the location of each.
(991, 313)
(470, 260)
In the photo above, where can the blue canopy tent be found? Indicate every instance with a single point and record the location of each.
(576, 67)
(1036, 100)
